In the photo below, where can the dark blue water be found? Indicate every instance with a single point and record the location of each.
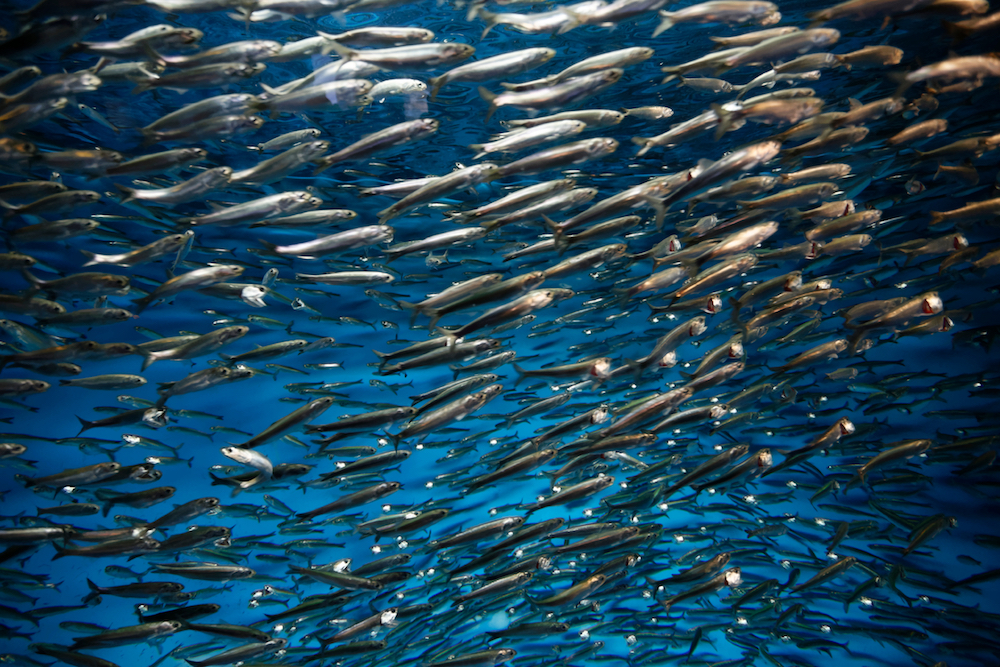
(938, 387)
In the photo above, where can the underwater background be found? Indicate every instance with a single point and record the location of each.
(920, 522)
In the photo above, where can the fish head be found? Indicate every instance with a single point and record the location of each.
(600, 367)
(108, 468)
(208, 503)
(610, 76)
(733, 576)
(932, 304)
(713, 304)
(234, 333)
(604, 146)
(459, 51)
(189, 35)
(824, 36)
(770, 18)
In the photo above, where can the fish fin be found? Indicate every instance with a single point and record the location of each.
(342, 51)
(84, 424)
(153, 55)
(142, 85)
(660, 209)
(575, 20)
(491, 98)
(435, 83)
(479, 151)
(666, 24)
(449, 336)
(725, 120)
(956, 31)
(149, 359)
(322, 165)
(558, 236)
(937, 218)
(479, 10)
(644, 145)
(853, 103)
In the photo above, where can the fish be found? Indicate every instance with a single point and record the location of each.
(762, 338)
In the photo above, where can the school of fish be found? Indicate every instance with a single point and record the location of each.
(618, 331)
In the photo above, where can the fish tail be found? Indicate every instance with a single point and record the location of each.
(955, 31)
(140, 304)
(149, 360)
(479, 150)
(84, 424)
(342, 51)
(622, 294)
(666, 24)
(636, 367)
(491, 98)
(436, 82)
(644, 145)
(449, 336)
(661, 210)
(434, 314)
(322, 165)
(479, 11)
(396, 439)
(92, 258)
(855, 341)
(144, 84)
(725, 120)
(558, 234)
(36, 284)
(575, 20)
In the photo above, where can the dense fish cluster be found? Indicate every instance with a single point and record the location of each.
(450, 334)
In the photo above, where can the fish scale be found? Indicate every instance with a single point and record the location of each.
(761, 400)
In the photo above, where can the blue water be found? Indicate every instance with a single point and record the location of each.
(938, 387)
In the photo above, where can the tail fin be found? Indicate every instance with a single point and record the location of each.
(489, 18)
(725, 120)
(521, 374)
(36, 284)
(558, 235)
(666, 24)
(449, 336)
(436, 82)
(661, 210)
(342, 51)
(644, 145)
(94, 590)
(148, 361)
(955, 31)
(84, 424)
(92, 258)
(491, 98)
(142, 85)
